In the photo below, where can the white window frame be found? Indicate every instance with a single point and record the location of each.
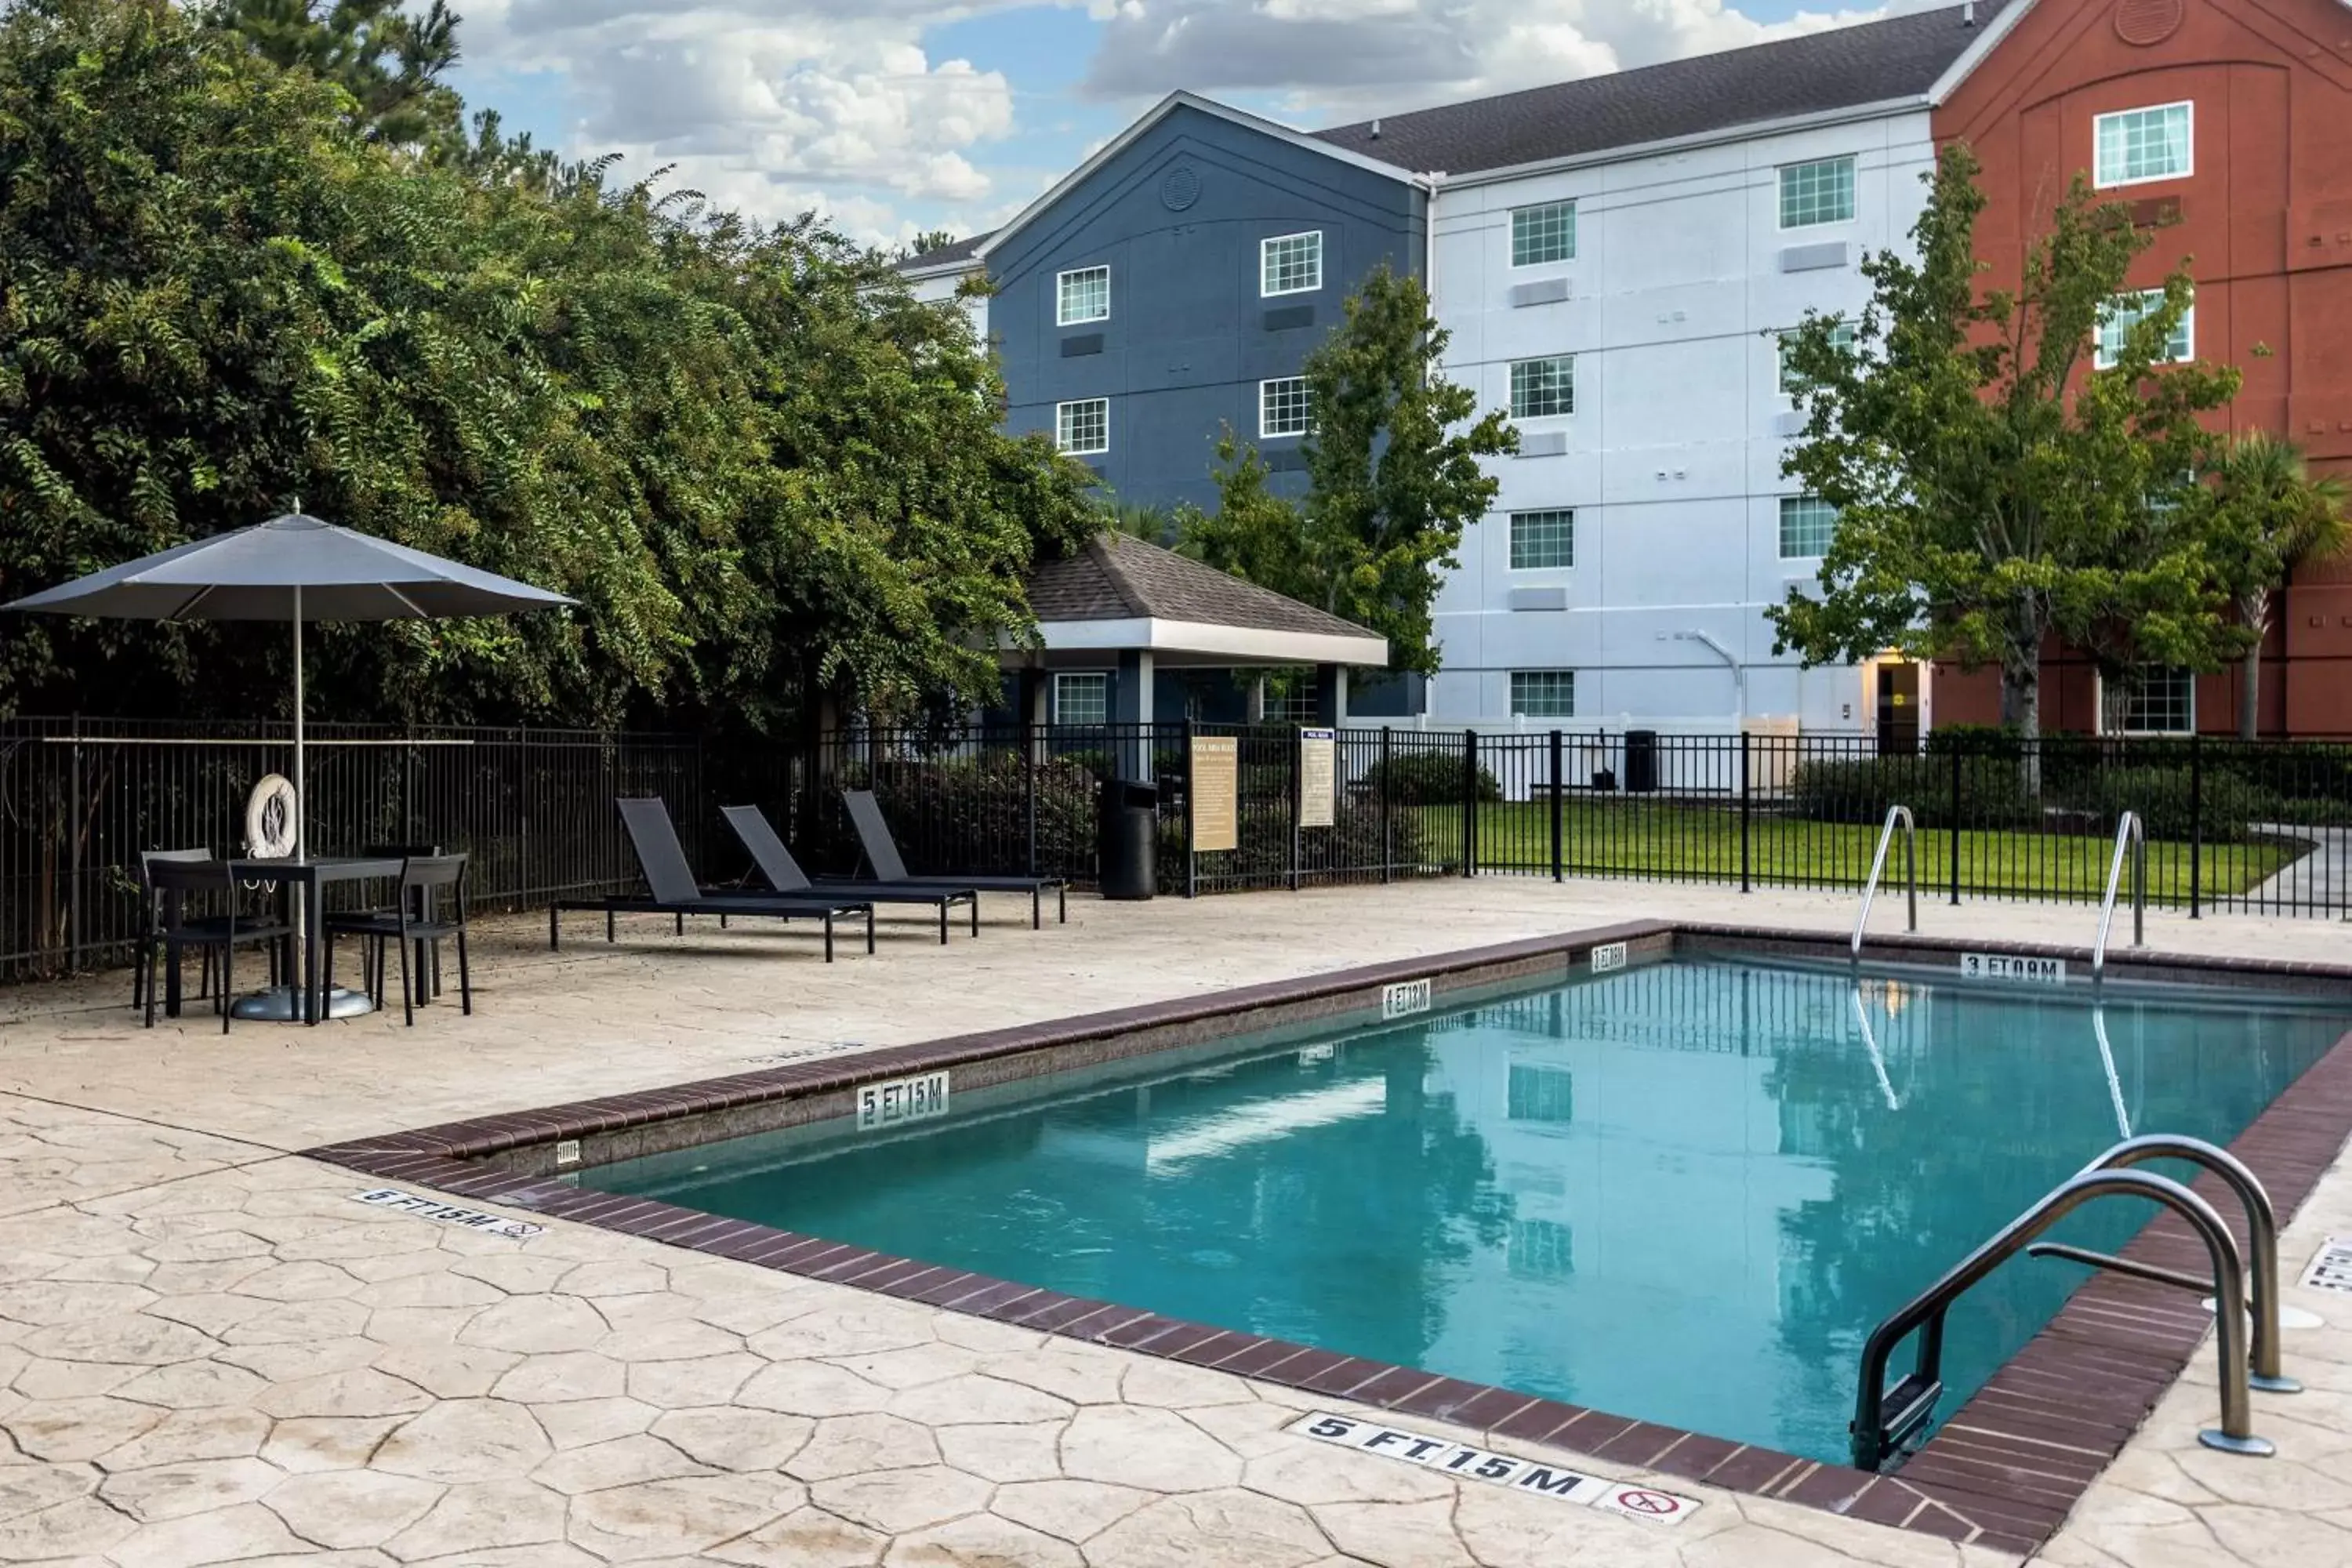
(1781, 541)
(1568, 202)
(2102, 358)
(1061, 317)
(1780, 199)
(1510, 396)
(1062, 426)
(1511, 538)
(1512, 694)
(1098, 679)
(1266, 430)
(2098, 175)
(2126, 729)
(1841, 336)
(1264, 257)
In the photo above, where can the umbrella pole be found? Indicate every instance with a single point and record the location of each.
(301, 798)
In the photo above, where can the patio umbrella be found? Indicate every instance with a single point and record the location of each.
(294, 568)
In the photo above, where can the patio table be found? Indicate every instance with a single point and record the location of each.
(308, 876)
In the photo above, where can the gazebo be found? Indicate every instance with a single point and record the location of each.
(1129, 612)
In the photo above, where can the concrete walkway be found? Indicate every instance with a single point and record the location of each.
(209, 1353)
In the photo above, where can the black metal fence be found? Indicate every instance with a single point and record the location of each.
(2264, 826)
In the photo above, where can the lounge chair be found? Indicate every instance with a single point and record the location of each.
(785, 874)
(882, 855)
(671, 880)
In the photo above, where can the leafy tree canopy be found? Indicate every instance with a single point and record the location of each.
(1998, 480)
(389, 60)
(2266, 514)
(1393, 470)
(765, 470)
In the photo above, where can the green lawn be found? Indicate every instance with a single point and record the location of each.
(1661, 838)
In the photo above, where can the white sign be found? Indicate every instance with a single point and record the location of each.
(450, 1214)
(902, 1099)
(2331, 1267)
(1609, 955)
(2014, 967)
(1319, 777)
(1445, 1454)
(1404, 998)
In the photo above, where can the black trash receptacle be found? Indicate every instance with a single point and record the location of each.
(1131, 839)
(1641, 762)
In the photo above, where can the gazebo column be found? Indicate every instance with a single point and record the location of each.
(1034, 701)
(1330, 694)
(1131, 704)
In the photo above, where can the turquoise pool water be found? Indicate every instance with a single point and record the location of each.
(1681, 1193)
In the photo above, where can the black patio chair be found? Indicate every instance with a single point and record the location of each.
(428, 957)
(785, 874)
(670, 881)
(431, 887)
(882, 855)
(224, 929)
(152, 915)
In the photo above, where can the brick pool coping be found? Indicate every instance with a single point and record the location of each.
(2002, 1471)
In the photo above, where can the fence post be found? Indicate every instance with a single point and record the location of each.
(1957, 748)
(1557, 783)
(73, 861)
(1388, 839)
(2196, 823)
(1192, 861)
(1029, 788)
(1296, 747)
(1469, 803)
(1746, 811)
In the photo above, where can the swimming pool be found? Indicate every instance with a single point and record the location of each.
(1681, 1193)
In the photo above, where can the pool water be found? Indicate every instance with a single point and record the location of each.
(1681, 1193)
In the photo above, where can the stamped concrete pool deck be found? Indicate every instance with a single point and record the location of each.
(210, 1353)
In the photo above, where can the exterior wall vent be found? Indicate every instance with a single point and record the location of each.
(1539, 598)
(1082, 344)
(1814, 258)
(1543, 291)
(1543, 443)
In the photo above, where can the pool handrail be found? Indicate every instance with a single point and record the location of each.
(2129, 833)
(1878, 865)
(2262, 1243)
(1876, 1439)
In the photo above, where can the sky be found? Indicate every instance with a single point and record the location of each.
(897, 117)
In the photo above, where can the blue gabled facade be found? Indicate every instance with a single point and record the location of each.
(1178, 214)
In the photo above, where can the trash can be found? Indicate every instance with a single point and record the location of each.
(1641, 762)
(1131, 839)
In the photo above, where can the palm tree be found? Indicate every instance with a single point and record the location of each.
(2270, 516)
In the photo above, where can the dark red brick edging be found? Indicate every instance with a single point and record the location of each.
(2002, 1472)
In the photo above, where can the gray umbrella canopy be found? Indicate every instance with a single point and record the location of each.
(289, 568)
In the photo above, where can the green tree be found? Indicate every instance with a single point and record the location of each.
(1996, 482)
(2267, 515)
(1393, 476)
(388, 59)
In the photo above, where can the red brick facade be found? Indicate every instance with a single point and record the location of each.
(2265, 215)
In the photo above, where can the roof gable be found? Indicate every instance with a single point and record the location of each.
(1118, 577)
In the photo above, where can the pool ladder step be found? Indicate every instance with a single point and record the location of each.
(1885, 1419)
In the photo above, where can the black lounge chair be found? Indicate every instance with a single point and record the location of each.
(882, 855)
(670, 879)
(785, 874)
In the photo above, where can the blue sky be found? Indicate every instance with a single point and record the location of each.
(896, 116)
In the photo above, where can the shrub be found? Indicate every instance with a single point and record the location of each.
(1992, 793)
(2227, 802)
(1425, 778)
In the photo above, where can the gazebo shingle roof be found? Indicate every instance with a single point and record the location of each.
(1118, 577)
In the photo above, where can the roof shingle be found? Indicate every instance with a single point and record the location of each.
(1118, 577)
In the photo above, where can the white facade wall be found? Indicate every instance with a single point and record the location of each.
(1673, 452)
(944, 286)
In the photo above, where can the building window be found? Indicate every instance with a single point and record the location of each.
(1082, 699)
(1840, 337)
(1543, 694)
(2125, 312)
(1817, 192)
(2151, 700)
(1282, 408)
(1293, 704)
(1083, 295)
(1808, 523)
(1541, 539)
(1083, 427)
(2141, 144)
(1541, 234)
(1539, 1092)
(1540, 388)
(1290, 264)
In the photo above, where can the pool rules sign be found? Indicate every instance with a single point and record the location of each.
(1319, 777)
(1216, 794)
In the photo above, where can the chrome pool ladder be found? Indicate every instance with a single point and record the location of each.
(1885, 1419)
(2129, 834)
(1878, 864)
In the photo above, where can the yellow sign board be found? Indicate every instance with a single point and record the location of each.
(1216, 794)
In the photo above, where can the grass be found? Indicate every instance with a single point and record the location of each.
(1685, 842)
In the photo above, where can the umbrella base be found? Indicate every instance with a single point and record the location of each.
(283, 1004)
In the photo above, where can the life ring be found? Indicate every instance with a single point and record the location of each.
(269, 818)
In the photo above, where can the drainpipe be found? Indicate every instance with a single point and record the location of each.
(1738, 671)
(1430, 182)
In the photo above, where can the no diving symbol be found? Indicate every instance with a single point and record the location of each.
(1653, 1505)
